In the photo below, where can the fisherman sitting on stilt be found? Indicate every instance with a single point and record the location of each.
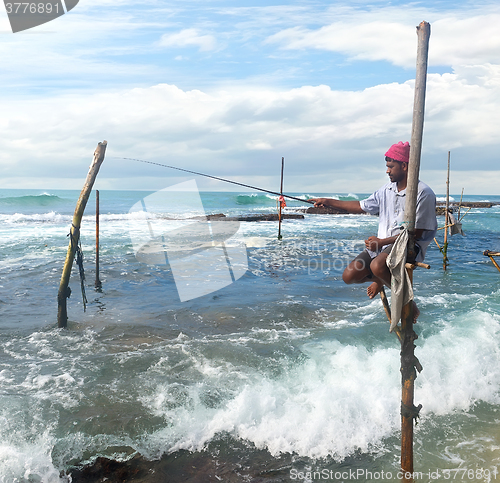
(388, 204)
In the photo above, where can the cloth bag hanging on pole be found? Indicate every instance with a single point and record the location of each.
(455, 226)
(401, 287)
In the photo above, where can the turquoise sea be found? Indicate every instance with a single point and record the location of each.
(285, 374)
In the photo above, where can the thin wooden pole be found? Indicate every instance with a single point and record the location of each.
(460, 204)
(98, 283)
(446, 217)
(74, 234)
(491, 254)
(468, 209)
(494, 262)
(387, 309)
(408, 372)
(280, 203)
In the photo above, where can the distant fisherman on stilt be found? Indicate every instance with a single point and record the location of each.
(388, 204)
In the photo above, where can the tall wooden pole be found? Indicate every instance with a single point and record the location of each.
(74, 234)
(460, 204)
(98, 283)
(280, 202)
(446, 217)
(408, 371)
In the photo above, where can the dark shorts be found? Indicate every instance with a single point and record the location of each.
(366, 258)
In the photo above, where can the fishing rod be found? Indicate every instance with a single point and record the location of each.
(221, 179)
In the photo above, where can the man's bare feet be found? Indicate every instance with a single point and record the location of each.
(373, 289)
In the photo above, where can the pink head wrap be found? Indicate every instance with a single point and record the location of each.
(399, 152)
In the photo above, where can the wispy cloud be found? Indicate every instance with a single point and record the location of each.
(188, 38)
(365, 36)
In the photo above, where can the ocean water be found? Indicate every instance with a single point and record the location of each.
(286, 367)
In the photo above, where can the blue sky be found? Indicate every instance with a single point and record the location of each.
(229, 87)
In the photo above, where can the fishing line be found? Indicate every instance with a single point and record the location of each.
(220, 179)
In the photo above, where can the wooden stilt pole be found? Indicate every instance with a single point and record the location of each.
(494, 262)
(387, 309)
(460, 205)
(74, 234)
(491, 254)
(280, 203)
(408, 371)
(446, 217)
(98, 283)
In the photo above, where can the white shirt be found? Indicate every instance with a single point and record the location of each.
(389, 204)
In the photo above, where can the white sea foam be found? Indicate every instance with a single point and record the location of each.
(256, 241)
(50, 217)
(26, 456)
(58, 218)
(447, 299)
(462, 364)
(316, 409)
(327, 405)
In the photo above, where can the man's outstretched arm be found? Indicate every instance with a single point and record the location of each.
(350, 206)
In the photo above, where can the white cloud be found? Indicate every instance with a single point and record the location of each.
(369, 41)
(187, 38)
(371, 36)
(463, 41)
(325, 135)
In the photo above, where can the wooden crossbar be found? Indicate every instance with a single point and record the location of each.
(491, 254)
